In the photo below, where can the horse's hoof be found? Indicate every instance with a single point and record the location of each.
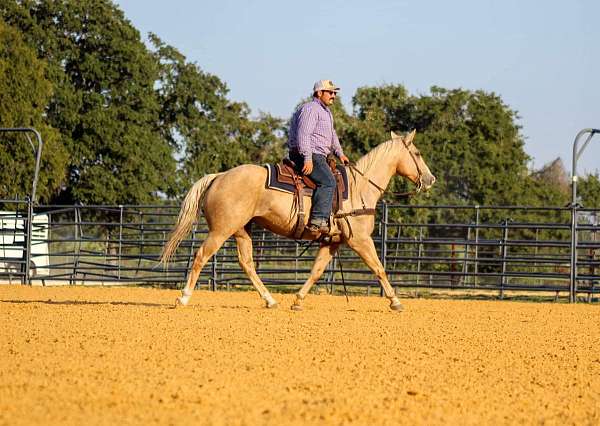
(396, 306)
(181, 301)
(296, 307)
(272, 305)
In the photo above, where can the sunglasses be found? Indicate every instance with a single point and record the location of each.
(331, 92)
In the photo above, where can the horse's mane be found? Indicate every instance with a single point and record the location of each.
(366, 162)
(369, 160)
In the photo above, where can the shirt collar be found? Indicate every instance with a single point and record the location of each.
(318, 101)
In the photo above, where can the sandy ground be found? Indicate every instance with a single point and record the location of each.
(88, 356)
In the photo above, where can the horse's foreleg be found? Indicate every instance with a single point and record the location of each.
(365, 248)
(209, 247)
(324, 255)
(244, 249)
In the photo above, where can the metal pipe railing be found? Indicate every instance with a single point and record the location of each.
(114, 244)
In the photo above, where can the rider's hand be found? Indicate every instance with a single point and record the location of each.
(308, 167)
(344, 160)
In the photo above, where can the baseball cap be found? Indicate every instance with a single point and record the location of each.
(325, 85)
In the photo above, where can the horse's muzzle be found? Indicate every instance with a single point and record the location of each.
(427, 181)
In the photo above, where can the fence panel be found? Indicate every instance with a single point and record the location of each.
(422, 247)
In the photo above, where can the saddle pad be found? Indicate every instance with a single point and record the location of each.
(273, 182)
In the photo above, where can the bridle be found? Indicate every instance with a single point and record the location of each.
(397, 194)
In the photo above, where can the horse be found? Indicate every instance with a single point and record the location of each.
(234, 199)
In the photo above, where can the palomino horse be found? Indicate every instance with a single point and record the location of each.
(233, 199)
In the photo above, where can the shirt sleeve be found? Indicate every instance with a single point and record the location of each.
(307, 121)
(337, 148)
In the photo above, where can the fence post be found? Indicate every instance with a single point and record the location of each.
(536, 253)
(120, 242)
(419, 254)
(384, 228)
(28, 232)
(78, 232)
(592, 256)
(576, 154)
(573, 280)
(476, 266)
(452, 263)
(467, 247)
(296, 262)
(504, 240)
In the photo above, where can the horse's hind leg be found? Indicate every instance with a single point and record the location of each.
(244, 249)
(211, 244)
(324, 255)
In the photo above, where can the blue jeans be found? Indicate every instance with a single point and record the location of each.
(323, 178)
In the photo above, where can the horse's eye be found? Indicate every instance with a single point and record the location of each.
(418, 153)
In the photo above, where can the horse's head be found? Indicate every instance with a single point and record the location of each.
(411, 163)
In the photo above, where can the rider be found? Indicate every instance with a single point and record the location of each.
(312, 137)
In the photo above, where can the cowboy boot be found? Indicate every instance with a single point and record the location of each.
(318, 227)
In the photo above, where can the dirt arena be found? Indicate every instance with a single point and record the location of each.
(75, 355)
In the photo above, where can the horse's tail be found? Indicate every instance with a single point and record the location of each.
(187, 215)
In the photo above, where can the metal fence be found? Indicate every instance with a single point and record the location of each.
(422, 247)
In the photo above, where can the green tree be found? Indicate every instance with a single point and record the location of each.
(24, 95)
(549, 186)
(104, 104)
(210, 132)
(588, 188)
(469, 139)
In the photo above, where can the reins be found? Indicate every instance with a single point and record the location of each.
(353, 167)
(382, 190)
(342, 274)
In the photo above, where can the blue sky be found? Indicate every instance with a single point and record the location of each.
(542, 58)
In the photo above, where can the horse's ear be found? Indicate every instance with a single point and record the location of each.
(409, 138)
(394, 136)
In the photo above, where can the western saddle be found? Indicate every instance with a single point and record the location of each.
(284, 176)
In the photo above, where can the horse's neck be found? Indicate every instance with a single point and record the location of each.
(379, 172)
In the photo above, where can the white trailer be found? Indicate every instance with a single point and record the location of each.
(12, 244)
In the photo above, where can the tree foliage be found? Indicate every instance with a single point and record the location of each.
(128, 114)
(126, 122)
(211, 132)
(588, 189)
(469, 139)
(104, 105)
(24, 93)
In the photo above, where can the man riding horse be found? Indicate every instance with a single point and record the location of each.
(235, 199)
(312, 138)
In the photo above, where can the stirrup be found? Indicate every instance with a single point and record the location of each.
(318, 228)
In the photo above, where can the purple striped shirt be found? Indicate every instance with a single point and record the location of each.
(311, 131)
